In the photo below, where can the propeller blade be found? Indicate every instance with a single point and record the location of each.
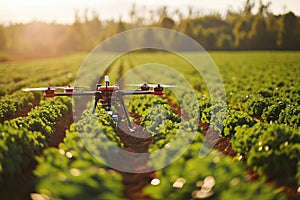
(81, 87)
(35, 89)
(165, 85)
(151, 85)
(54, 88)
(134, 85)
(68, 87)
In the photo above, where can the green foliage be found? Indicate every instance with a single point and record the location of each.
(42, 118)
(10, 104)
(261, 118)
(17, 150)
(23, 138)
(262, 85)
(14, 77)
(223, 119)
(213, 115)
(261, 88)
(270, 149)
(72, 172)
(235, 119)
(227, 179)
(154, 117)
(157, 117)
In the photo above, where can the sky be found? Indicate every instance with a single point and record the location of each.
(63, 11)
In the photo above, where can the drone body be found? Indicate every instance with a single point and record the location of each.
(104, 94)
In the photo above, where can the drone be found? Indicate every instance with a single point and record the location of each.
(105, 95)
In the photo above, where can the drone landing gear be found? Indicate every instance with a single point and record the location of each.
(97, 98)
(115, 117)
(130, 127)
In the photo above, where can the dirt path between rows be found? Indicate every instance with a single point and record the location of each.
(60, 130)
(23, 185)
(23, 112)
(135, 182)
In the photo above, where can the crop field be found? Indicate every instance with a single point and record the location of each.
(255, 148)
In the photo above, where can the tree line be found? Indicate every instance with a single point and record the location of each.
(237, 30)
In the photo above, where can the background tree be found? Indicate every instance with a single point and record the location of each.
(77, 34)
(210, 41)
(272, 29)
(258, 33)
(238, 30)
(248, 7)
(167, 22)
(289, 27)
(224, 42)
(2, 39)
(263, 9)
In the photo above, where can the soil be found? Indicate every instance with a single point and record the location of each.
(60, 130)
(223, 144)
(24, 111)
(21, 187)
(135, 182)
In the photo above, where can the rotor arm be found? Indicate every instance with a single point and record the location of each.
(79, 93)
(140, 92)
(96, 94)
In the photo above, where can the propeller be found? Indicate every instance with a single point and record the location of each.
(36, 89)
(151, 85)
(69, 87)
(54, 88)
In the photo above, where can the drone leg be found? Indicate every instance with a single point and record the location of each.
(95, 105)
(97, 97)
(126, 114)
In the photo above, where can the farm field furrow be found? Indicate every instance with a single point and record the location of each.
(256, 146)
(16, 76)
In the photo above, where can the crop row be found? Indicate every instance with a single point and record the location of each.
(72, 171)
(23, 138)
(14, 77)
(214, 175)
(265, 85)
(261, 124)
(272, 150)
(266, 88)
(262, 117)
(12, 104)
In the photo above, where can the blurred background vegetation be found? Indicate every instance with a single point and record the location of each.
(237, 30)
